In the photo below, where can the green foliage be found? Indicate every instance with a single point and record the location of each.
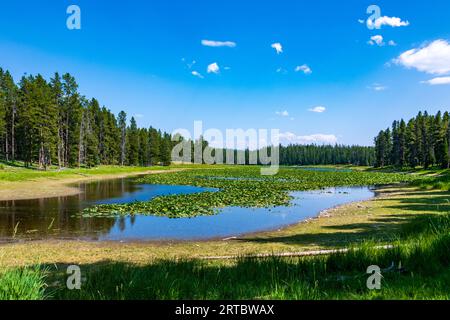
(237, 186)
(23, 284)
(52, 123)
(326, 155)
(417, 267)
(424, 141)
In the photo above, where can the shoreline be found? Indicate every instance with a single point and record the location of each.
(242, 236)
(336, 231)
(44, 188)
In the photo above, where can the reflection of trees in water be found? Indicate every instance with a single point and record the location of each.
(55, 216)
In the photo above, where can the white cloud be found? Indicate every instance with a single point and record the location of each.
(284, 113)
(213, 68)
(291, 138)
(438, 81)
(392, 43)
(387, 21)
(361, 21)
(213, 43)
(433, 58)
(304, 68)
(376, 40)
(197, 74)
(377, 87)
(138, 115)
(278, 47)
(318, 109)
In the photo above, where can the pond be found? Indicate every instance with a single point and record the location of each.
(322, 169)
(54, 218)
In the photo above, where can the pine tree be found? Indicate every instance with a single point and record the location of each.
(72, 116)
(3, 131)
(133, 144)
(58, 100)
(123, 136)
(154, 146)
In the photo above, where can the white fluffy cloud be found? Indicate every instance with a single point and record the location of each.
(387, 21)
(213, 43)
(278, 47)
(291, 138)
(304, 68)
(438, 81)
(284, 113)
(197, 74)
(318, 109)
(433, 58)
(376, 40)
(213, 68)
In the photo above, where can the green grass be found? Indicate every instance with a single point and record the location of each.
(421, 271)
(238, 186)
(441, 182)
(17, 173)
(418, 267)
(23, 284)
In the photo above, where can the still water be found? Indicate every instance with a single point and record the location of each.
(54, 217)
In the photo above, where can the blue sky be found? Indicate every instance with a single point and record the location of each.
(138, 56)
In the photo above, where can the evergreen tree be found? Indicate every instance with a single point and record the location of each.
(123, 136)
(133, 144)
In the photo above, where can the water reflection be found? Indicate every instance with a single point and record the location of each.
(55, 217)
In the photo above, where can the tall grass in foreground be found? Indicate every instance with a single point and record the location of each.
(418, 267)
(22, 284)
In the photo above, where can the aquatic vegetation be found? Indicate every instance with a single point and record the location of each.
(238, 186)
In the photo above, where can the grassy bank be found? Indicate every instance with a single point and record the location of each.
(19, 183)
(417, 268)
(15, 172)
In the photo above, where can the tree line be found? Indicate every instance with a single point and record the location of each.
(327, 155)
(422, 141)
(47, 123)
(50, 123)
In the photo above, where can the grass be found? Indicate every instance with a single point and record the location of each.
(17, 173)
(23, 284)
(416, 221)
(417, 268)
(19, 183)
(237, 186)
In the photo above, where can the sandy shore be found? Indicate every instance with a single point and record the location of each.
(48, 187)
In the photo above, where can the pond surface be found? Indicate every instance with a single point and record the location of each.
(323, 169)
(54, 217)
